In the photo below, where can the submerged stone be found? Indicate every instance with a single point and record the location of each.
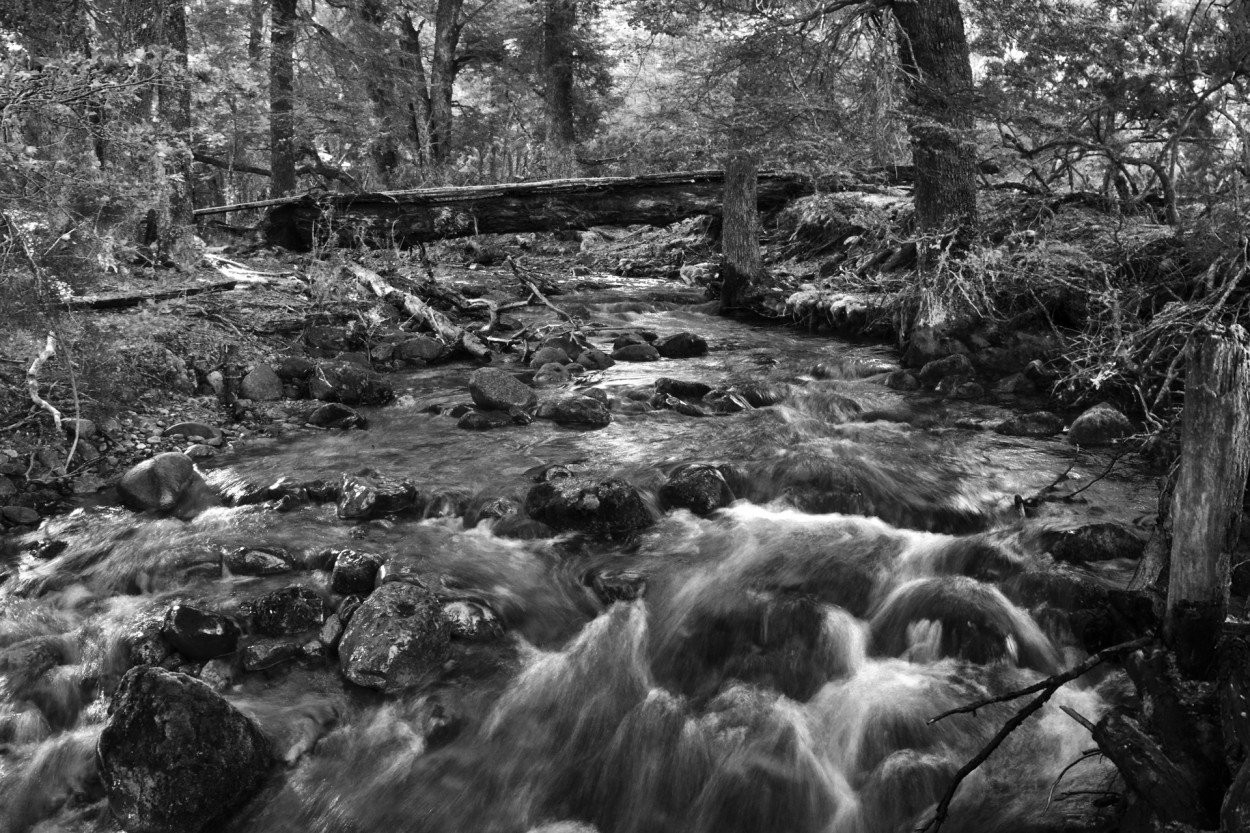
(199, 634)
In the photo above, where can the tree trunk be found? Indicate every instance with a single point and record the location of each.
(1169, 790)
(378, 60)
(1206, 507)
(741, 263)
(174, 103)
(933, 50)
(559, 20)
(443, 71)
(282, 97)
(412, 64)
(407, 218)
(256, 32)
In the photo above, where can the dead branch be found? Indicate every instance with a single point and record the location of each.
(421, 311)
(537, 293)
(32, 380)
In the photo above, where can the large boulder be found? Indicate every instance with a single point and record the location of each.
(636, 353)
(349, 383)
(1100, 425)
(261, 383)
(167, 483)
(700, 488)
(354, 572)
(174, 756)
(682, 346)
(420, 350)
(199, 634)
(374, 497)
(1095, 542)
(494, 389)
(336, 415)
(611, 507)
(397, 638)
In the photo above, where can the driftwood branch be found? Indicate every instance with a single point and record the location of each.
(117, 300)
(537, 293)
(32, 379)
(440, 324)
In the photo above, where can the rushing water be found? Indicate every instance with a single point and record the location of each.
(777, 675)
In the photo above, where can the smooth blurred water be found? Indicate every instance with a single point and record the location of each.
(778, 673)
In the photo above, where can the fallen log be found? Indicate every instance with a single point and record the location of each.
(122, 300)
(403, 219)
(1169, 790)
(440, 324)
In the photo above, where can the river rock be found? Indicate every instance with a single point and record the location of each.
(472, 620)
(701, 489)
(552, 374)
(194, 431)
(261, 384)
(758, 394)
(636, 353)
(1015, 383)
(420, 350)
(174, 756)
(682, 346)
(494, 389)
(294, 368)
(955, 365)
(1100, 425)
(628, 339)
(546, 355)
(375, 497)
(1095, 542)
(269, 653)
(83, 429)
(576, 410)
(397, 638)
(167, 482)
(723, 401)
(594, 360)
(287, 611)
(336, 415)
(326, 340)
(19, 516)
(483, 420)
(350, 384)
(258, 561)
(617, 585)
(355, 572)
(199, 635)
(682, 388)
(1035, 424)
(901, 380)
(612, 507)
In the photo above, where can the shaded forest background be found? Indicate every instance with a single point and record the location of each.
(120, 117)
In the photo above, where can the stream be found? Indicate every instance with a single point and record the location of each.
(776, 671)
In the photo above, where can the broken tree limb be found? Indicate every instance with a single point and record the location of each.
(537, 293)
(121, 300)
(440, 324)
(32, 379)
(405, 219)
(1167, 788)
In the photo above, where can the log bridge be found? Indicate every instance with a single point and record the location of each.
(404, 219)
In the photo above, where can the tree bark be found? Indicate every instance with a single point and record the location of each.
(406, 218)
(741, 264)
(413, 64)
(378, 60)
(439, 324)
(443, 70)
(933, 51)
(282, 151)
(1168, 789)
(174, 104)
(1206, 507)
(559, 20)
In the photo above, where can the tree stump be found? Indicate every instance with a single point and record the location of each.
(1206, 506)
(741, 263)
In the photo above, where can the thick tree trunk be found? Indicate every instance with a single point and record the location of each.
(559, 20)
(1206, 507)
(174, 103)
(443, 71)
(413, 64)
(282, 97)
(256, 32)
(741, 264)
(933, 50)
(379, 81)
(406, 218)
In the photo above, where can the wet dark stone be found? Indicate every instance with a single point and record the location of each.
(294, 368)
(269, 653)
(321, 491)
(47, 549)
(935, 371)
(1094, 542)
(166, 483)
(701, 489)
(261, 384)
(576, 410)
(595, 360)
(145, 642)
(473, 620)
(287, 611)
(336, 415)
(327, 340)
(631, 339)
(1100, 425)
(682, 346)
(483, 421)
(258, 561)
(447, 503)
(1036, 424)
(682, 388)
(483, 507)
(420, 350)
(174, 756)
(547, 355)
(759, 395)
(19, 515)
(349, 383)
(520, 526)
(725, 402)
(398, 638)
(1015, 383)
(611, 507)
(199, 634)
(442, 726)
(355, 572)
(672, 403)
(617, 585)
(636, 353)
(551, 375)
(194, 431)
(494, 389)
(375, 497)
